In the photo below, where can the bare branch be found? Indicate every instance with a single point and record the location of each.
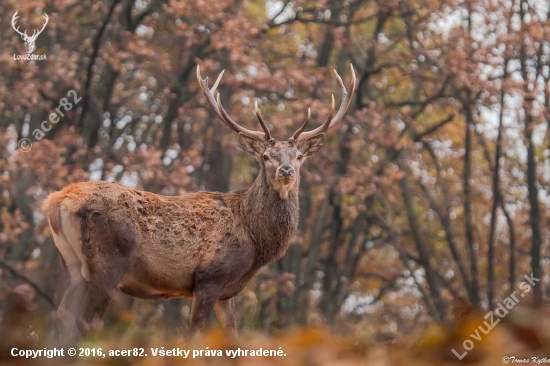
(17, 273)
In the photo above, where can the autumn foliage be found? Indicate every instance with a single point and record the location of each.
(432, 196)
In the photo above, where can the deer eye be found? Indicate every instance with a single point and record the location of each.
(266, 158)
(300, 157)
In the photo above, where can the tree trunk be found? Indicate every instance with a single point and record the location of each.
(472, 246)
(422, 246)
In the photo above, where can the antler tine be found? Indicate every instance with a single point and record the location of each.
(262, 122)
(260, 136)
(324, 127)
(209, 93)
(346, 101)
(216, 104)
(303, 127)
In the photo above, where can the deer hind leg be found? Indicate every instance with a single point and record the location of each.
(106, 246)
(225, 312)
(97, 300)
(70, 304)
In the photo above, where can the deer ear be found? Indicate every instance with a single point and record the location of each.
(310, 146)
(251, 146)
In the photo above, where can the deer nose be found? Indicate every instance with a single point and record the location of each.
(286, 171)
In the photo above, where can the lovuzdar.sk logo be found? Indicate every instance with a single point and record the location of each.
(30, 41)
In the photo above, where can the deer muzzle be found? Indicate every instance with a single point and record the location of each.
(285, 175)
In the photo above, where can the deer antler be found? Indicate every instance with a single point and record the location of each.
(13, 20)
(330, 122)
(304, 125)
(216, 104)
(262, 122)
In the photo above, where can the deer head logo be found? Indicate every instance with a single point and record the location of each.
(29, 40)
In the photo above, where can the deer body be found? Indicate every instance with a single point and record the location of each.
(166, 240)
(204, 245)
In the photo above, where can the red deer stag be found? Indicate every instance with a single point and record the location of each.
(204, 245)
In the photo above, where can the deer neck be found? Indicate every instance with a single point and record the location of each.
(271, 220)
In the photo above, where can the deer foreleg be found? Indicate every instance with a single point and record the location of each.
(204, 299)
(225, 311)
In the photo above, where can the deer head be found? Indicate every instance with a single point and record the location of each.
(280, 159)
(29, 40)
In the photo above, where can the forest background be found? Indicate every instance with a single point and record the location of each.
(431, 197)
